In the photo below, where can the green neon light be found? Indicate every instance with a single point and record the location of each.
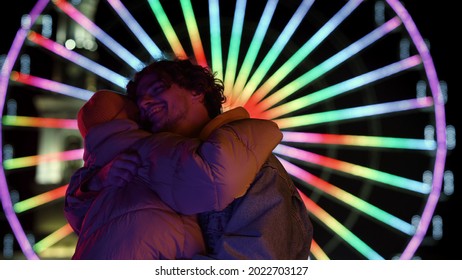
(215, 38)
(167, 28)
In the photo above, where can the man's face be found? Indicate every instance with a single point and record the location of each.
(172, 109)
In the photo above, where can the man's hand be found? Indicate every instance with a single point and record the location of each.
(122, 169)
(118, 172)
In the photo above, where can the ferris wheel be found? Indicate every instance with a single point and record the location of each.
(351, 84)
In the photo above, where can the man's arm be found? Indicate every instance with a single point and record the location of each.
(193, 176)
(78, 199)
(87, 182)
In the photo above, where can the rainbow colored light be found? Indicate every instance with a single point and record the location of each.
(260, 88)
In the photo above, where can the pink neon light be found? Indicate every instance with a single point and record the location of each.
(21, 162)
(60, 156)
(51, 85)
(317, 252)
(5, 75)
(39, 122)
(40, 199)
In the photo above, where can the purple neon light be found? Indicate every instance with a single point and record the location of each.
(440, 120)
(5, 75)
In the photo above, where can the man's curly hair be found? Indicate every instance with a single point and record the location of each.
(187, 75)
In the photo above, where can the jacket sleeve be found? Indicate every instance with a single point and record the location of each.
(76, 201)
(270, 222)
(193, 176)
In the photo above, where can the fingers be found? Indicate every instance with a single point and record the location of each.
(122, 169)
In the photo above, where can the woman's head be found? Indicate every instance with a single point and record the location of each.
(104, 106)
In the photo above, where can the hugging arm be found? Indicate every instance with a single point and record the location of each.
(197, 176)
(78, 200)
(188, 174)
(88, 181)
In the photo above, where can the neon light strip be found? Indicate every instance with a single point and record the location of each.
(21, 162)
(13, 53)
(78, 59)
(255, 45)
(359, 140)
(321, 68)
(13, 220)
(51, 85)
(193, 31)
(167, 29)
(347, 198)
(331, 223)
(136, 29)
(39, 122)
(7, 67)
(357, 112)
(53, 238)
(108, 41)
(304, 51)
(215, 38)
(40, 199)
(234, 46)
(353, 169)
(275, 50)
(317, 251)
(343, 87)
(438, 171)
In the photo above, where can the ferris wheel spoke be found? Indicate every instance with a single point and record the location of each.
(301, 53)
(255, 45)
(193, 30)
(39, 200)
(337, 228)
(234, 46)
(319, 70)
(355, 112)
(53, 238)
(273, 53)
(38, 122)
(341, 88)
(167, 28)
(28, 161)
(96, 31)
(89, 64)
(215, 38)
(352, 169)
(317, 252)
(350, 200)
(136, 28)
(51, 85)
(359, 141)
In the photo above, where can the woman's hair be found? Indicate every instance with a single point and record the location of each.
(187, 75)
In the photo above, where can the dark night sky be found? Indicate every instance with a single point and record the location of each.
(434, 22)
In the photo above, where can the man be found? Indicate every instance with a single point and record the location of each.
(270, 220)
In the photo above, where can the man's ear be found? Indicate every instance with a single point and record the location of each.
(198, 96)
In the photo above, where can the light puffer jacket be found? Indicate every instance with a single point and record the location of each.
(270, 222)
(191, 176)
